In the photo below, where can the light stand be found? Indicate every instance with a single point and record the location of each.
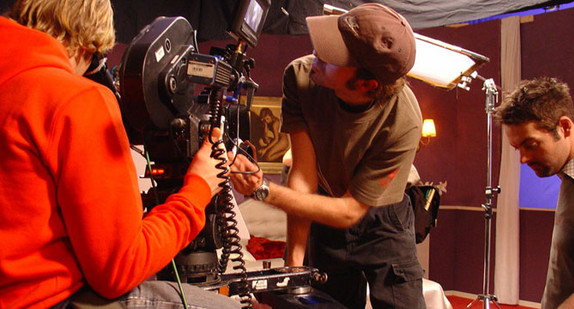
(448, 66)
(443, 65)
(491, 99)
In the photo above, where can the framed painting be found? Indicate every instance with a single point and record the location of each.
(270, 144)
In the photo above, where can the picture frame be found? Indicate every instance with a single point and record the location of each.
(270, 144)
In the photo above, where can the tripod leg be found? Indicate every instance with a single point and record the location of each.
(471, 303)
(497, 305)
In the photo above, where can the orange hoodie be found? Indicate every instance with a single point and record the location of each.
(70, 209)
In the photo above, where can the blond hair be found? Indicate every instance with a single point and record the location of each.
(78, 24)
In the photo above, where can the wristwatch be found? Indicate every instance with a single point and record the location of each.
(262, 191)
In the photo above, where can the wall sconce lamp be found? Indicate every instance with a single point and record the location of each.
(429, 131)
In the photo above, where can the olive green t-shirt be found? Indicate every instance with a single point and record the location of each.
(369, 153)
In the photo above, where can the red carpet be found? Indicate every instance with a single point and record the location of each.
(461, 303)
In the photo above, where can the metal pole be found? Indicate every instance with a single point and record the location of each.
(491, 100)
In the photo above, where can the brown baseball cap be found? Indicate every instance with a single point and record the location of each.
(372, 36)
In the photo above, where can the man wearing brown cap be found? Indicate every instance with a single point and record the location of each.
(354, 127)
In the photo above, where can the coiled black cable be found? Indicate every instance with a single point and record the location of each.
(226, 214)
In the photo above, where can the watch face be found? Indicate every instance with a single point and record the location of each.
(261, 192)
(259, 195)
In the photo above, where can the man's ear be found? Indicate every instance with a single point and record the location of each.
(367, 84)
(567, 125)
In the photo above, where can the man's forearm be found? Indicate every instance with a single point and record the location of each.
(297, 234)
(340, 212)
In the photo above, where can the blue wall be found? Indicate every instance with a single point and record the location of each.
(536, 192)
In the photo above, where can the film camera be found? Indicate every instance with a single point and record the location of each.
(159, 76)
(171, 96)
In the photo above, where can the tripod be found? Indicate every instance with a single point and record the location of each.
(491, 99)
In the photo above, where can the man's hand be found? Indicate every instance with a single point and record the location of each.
(204, 165)
(245, 183)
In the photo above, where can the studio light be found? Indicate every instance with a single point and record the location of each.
(444, 65)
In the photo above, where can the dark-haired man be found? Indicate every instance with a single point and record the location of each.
(537, 119)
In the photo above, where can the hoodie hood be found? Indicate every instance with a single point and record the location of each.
(24, 48)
